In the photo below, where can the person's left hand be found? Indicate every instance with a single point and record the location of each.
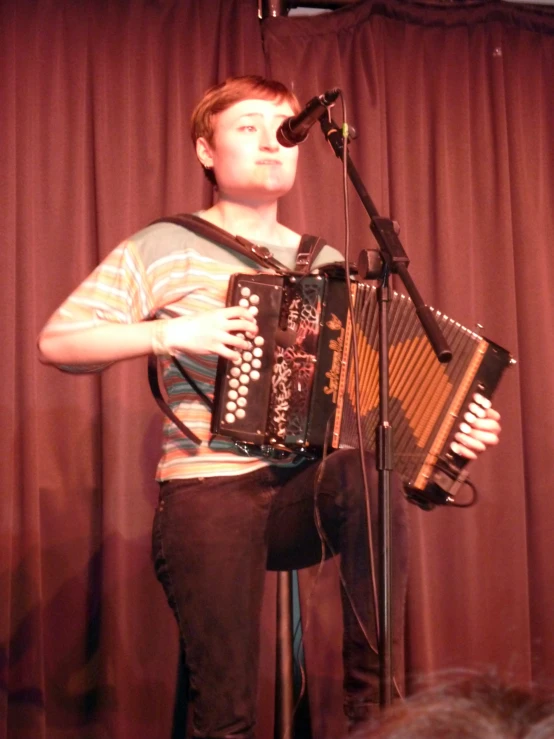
(479, 429)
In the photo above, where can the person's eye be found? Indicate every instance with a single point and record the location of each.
(249, 128)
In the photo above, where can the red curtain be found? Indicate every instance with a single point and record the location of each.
(96, 100)
(454, 108)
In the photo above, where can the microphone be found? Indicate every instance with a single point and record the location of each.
(294, 130)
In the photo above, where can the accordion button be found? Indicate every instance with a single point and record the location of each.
(255, 375)
(231, 406)
(243, 302)
(229, 418)
(257, 352)
(254, 299)
(244, 379)
(243, 390)
(235, 372)
(241, 413)
(245, 367)
(232, 395)
(247, 356)
(253, 309)
(256, 363)
(241, 402)
(245, 292)
(259, 341)
(234, 383)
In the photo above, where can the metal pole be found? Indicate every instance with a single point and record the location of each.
(284, 697)
(272, 8)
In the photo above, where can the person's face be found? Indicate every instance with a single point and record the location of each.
(249, 164)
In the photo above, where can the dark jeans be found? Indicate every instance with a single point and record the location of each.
(213, 539)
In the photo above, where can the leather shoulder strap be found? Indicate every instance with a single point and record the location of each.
(154, 382)
(309, 248)
(259, 254)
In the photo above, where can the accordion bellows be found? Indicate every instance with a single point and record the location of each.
(294, 388)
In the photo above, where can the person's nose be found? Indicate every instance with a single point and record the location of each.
(268, 140)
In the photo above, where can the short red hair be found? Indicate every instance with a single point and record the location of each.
(233, 90)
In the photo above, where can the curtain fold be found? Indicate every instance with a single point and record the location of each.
(96, 102)
(453, 109)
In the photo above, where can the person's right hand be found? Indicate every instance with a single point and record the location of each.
(213, 332)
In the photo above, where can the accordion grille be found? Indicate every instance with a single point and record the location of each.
(425, 395)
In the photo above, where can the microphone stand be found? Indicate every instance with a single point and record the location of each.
(391, 259)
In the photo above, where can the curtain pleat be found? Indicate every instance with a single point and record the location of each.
(453, 109)
(96, 102)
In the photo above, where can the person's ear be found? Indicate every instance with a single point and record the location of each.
(204, 153)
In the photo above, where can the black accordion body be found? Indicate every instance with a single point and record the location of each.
(293, 390)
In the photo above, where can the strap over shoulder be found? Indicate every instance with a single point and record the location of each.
(259, 254)
(309, 247)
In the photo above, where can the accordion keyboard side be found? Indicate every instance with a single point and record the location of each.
(243, 388)
(265, 398)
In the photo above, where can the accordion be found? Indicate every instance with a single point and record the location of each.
(293, 389)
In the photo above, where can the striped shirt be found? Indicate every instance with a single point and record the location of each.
(167, 266)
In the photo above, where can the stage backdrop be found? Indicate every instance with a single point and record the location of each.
(454, 108)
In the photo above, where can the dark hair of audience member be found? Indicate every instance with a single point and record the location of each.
(467, 706)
